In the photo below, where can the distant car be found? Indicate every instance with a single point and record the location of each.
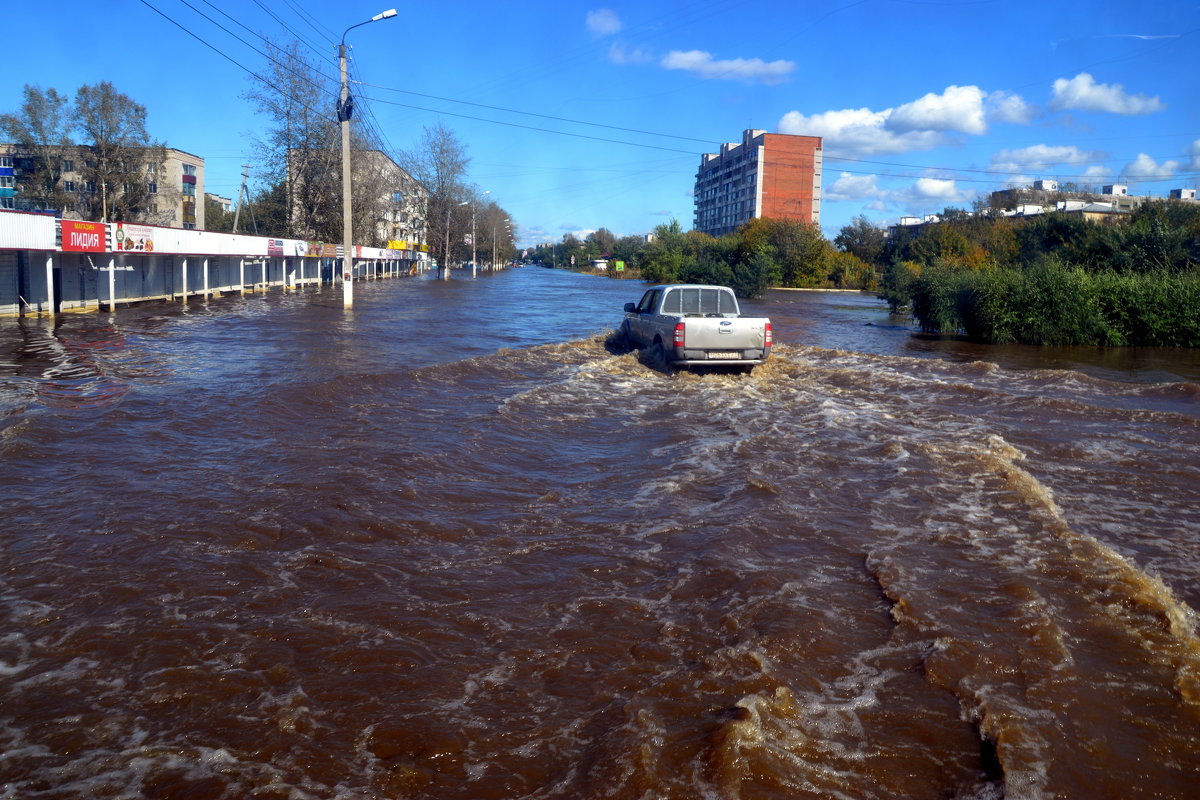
(693, 324)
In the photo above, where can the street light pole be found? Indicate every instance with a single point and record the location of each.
(344, 110)
(473, 245)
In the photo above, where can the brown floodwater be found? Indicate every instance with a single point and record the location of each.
(451, 544)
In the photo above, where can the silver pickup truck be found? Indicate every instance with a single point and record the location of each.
(689, 325)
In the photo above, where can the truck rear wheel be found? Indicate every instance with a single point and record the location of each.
(658, 354)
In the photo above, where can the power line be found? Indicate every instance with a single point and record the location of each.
(234, 61)
(371, 124)
(539, 116)
(326, 34)
(288, 28)
(529, 127)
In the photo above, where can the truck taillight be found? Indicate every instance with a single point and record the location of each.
(679, 334)
(768, 336)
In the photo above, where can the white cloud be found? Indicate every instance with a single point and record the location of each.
(619, 54)
(603, 22)
(959, 108)
(702, 64)
(940, 189)
(922, 124)
(1146, 168)
(1146, 37)
(1194, 154)
(1083, 93)
(852, 187)
(1005, 106)
(1041, 156)
(858, 132)
(926, 193)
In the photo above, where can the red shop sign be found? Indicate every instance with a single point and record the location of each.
(84, 237)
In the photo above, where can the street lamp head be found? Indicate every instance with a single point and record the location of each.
(391, 12)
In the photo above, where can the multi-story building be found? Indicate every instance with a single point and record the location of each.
(771, 175)
(8, 181)
(390, 207)
(171, 186)
(185, 171)
(224, 203)
(407, 205)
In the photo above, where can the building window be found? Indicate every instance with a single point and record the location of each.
(153, 188)
(91, 186)
(8, 202)
(69, 185)
(189, 190)
(7, 182)
(68, 165)
(189, 169)
(6, 161)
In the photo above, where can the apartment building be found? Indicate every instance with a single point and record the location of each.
(390, 206)
(403, 222)
(771, 175)
(168, 189)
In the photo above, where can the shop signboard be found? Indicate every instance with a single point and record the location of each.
(84, 237)
(134, 238)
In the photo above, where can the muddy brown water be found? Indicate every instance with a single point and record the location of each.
(452, 545)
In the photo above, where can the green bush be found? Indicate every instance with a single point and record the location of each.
(1052, 303)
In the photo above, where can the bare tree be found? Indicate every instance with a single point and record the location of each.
(495, 232)
(299, 149)
(440, 163)
(42, 129)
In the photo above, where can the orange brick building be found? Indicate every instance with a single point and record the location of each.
(766, 175)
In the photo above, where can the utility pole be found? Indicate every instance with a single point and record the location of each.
(345, 109)
(242, 191)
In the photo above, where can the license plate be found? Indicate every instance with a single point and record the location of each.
(725, 354)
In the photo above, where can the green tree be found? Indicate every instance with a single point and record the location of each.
(666, 256)
(603, 239)
(754, 272)
(215, 216)
(629, 250)
(848, 271)
(862, 239)
(123, 161)
(42, 128)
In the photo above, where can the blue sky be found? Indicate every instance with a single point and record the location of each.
(578, 116)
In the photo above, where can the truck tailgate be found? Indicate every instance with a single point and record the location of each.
(717, 333)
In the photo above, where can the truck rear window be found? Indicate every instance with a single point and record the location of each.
(697, 302)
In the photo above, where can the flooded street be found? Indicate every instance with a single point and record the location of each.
(453, 545)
